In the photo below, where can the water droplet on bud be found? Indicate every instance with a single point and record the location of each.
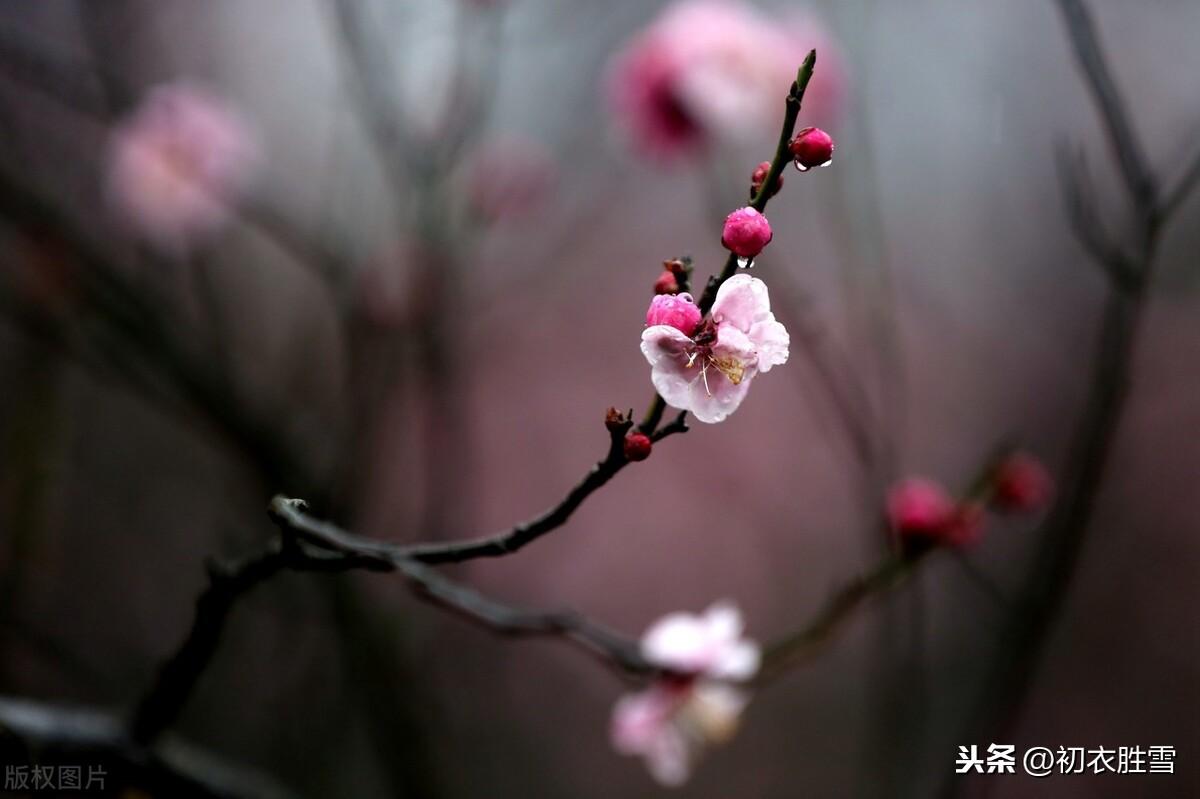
(745, 263)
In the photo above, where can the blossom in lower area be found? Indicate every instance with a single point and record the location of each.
(672, 722)
(177, 163)
(709, 370)
(709, 70)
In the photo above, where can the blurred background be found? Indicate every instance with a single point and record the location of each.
(395, 258)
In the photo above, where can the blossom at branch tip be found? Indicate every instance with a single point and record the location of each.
(708, 370)
(746, 232)
(177, 164)
(672, 722)
(708, 70)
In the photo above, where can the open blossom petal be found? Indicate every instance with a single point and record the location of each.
(666, 348)
(709, 644)
(671, 726)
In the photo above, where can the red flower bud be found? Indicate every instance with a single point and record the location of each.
(810, 148)
(1021, 483)
(760, 175)
(666, 284)
(637, 446)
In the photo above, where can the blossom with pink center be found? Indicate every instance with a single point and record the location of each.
(508, 178)
(672, 722)
(177, 163)
(1021, 483)
(746, 232)
(674, 310)
(707, 69)
(708, 372)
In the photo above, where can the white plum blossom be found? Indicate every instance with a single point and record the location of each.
(709, 371)
(672, 722)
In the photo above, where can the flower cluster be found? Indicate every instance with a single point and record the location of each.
(922, 513)
(705, 365)
(694, 704)
(177, 163)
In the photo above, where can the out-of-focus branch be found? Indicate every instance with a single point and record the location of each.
(306, 544)
(138, 322)
(1118, 123)
(1061, 538)
(893, 570)
(67, 83)
(35, 733)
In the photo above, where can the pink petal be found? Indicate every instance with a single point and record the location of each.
(666, 350)
(713, 403)
(741, 301)
(771, 342)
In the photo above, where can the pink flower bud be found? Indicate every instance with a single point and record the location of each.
(746, 232)
(811, 147)
(920, 508)
(1021, 483)
(675, 310)
(637, 446)
(666, 284)
(760, 175)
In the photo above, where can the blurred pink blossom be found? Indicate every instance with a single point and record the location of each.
(673, 721)
(509, 177)
(709, 372)
(178, 162)
(709, 69)
(922, 513)
(1021, 484)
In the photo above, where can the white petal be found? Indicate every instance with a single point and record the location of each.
(738, 662)
(677, 640)
(771, 341)
(741, 301)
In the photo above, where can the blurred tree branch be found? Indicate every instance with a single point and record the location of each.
(1062, 536)
(305, 544)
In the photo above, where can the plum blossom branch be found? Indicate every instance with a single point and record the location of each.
(892, 571)
(766, 189)
(307, 544)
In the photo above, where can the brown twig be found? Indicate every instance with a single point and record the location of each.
(307, 544)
